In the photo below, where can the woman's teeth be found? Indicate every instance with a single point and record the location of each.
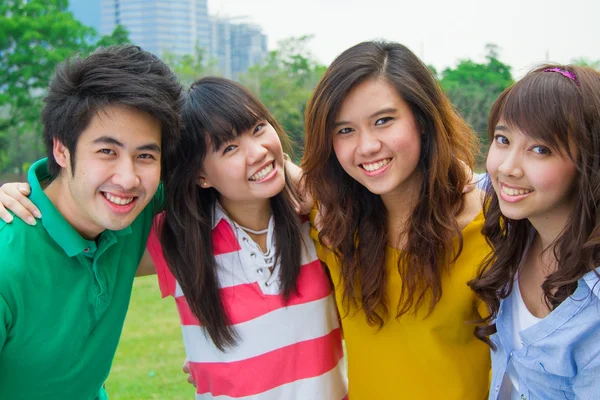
(262, 173)
(375, 166)
(515, 192)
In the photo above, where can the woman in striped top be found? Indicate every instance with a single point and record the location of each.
(258, 317)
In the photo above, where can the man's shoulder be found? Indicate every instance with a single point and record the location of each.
(15, 251)
(16, 230)
(18, 241)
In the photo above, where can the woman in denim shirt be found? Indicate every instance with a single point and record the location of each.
(543, 221)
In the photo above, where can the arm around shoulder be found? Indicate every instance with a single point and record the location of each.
(146, 265)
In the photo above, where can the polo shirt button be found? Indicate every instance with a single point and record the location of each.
(87, 249)
(259, 271)
(253, 255)
(511, 353)
(523, 397)
(497, 388)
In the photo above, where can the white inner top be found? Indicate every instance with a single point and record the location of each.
(522, 319)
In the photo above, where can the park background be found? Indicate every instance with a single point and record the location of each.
(475, 48)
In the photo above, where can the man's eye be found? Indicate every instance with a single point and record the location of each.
(107, 151)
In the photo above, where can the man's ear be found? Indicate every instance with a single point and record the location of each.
(61, 153)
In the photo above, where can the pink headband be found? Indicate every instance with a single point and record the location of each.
(563, 72)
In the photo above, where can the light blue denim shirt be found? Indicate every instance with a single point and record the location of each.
(560, 357)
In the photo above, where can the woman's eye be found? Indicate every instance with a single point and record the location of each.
(541, 150)
(383, 120)
(229, 148)
(258, 128)
(345, 130)
(501, 139)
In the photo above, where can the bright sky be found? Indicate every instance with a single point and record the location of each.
(440, 32)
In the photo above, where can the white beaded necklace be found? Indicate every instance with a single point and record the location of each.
(261, 232)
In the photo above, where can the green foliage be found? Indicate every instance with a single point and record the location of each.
(473, 88)
(191, 67)
(35, 37)
(586, 62)
(119, 36)
(284, 83)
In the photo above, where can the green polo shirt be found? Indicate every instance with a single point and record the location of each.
(63, 301)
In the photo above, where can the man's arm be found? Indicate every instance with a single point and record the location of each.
(146, 266)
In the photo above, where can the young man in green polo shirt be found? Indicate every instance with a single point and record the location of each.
(109, 122)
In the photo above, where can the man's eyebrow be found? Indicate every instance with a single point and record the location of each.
(150, 147)
(386, 110)
(111, 140)
(108, 140)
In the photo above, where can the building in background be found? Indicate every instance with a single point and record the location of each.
(236, 46)
(159, 26)
(248, 47)
(177, 27)
(219, 48)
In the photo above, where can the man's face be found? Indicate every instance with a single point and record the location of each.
(117, 171)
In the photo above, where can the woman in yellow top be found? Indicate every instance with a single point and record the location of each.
(385, 155)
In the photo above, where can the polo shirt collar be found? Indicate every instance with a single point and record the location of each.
(219, 214)
(52, 220)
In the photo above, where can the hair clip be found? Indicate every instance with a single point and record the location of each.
(563, 72)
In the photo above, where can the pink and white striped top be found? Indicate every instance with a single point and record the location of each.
(291, 351)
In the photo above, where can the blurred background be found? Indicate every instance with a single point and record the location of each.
(279, 49)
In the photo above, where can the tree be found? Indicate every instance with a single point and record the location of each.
(473, 88)
(191, 67)
(35, 36)
(120, 35)
(284, 83)
(586, 62)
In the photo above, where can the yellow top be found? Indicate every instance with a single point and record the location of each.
(413, 357)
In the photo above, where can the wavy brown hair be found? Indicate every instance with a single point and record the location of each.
(564, 113)
(355, 223)
(215, 111)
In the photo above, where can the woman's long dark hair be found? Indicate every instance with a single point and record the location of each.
(215, 111)
(355, 222)
(565, 114)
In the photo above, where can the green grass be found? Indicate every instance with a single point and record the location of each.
(149, 358)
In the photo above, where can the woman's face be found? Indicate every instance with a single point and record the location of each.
(248, 169)
(531, 179)
(376, 139)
